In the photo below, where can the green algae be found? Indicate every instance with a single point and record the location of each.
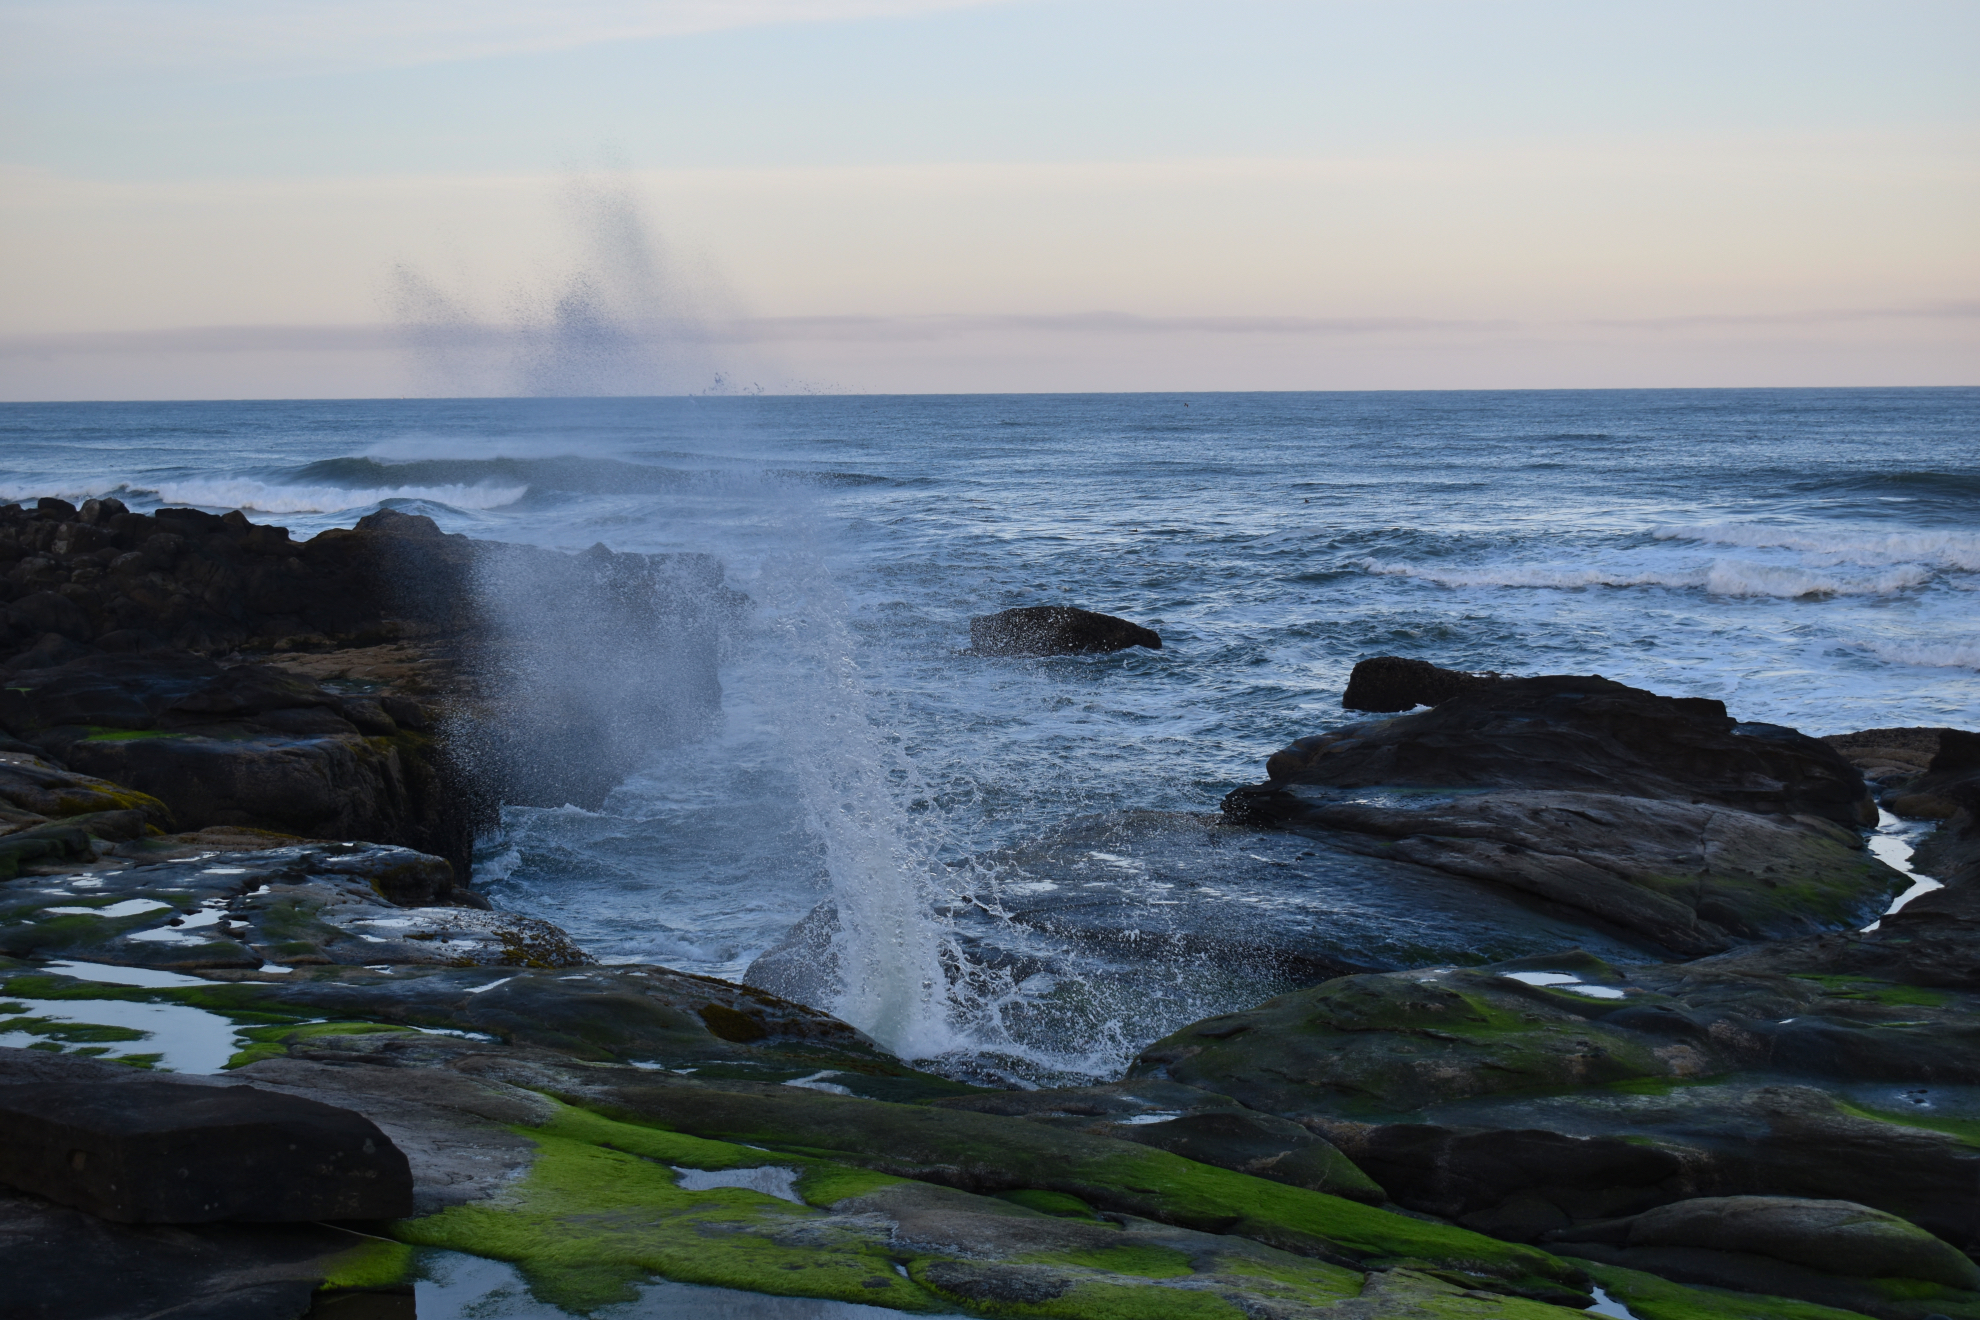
(1966, 1129)
(272, 1042)
(1056, 1204)
(72, 1033)
(591, 1219)
(1147, 1262)
(1652, 1298)
(379, 1263)
(102, 734)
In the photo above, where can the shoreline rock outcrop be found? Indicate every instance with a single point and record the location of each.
(386, 682)
(1661, 817)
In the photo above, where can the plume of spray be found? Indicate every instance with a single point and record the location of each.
(888, 958)
(615, 316)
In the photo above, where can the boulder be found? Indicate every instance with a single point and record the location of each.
(1657, 816)
(1393, 683)
(61, 1264)
(1055, 630)
(161, 1152)
(1589, 735)
(1837, 1237)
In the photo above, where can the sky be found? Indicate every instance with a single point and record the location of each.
(380, 198)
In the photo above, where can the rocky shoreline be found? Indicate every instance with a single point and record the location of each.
(240, 776)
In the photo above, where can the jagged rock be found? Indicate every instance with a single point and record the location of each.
(570, 666)
(1658, 816)
(1393, 683)
(1589, 735)
(161, 1152)
(61, 1264)
(1517, 1107)
(1055, 630)
(285, 902)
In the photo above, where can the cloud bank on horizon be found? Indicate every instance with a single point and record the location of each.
(218, 198)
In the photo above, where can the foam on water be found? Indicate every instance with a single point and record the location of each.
(1806, 556)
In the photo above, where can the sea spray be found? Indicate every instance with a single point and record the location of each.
(885, 945)
(612, 315)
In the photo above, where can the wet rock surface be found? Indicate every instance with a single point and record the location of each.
(152, 1151)
(1387, 683)
(1056, 630)
(127, 634)
(1659, 817)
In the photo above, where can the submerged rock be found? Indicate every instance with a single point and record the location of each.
(1393, 682)
(1055, 630)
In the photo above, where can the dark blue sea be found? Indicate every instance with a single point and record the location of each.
(1811, 557)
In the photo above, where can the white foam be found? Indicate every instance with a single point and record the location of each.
(1932, 655)
(1959, 550)
(1722, 577)
(252, 496)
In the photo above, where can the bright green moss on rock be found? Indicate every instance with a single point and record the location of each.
(272, 1042)
(590, 1219)
(1652, 1298)
(375, 1264)
(1056, 1204)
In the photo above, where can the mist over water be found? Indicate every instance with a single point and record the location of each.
(1806, 556)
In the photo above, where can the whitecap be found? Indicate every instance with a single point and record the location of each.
(1963, 654)
(1959, 550)
(1722, 577)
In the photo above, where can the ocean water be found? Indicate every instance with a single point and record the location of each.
(1811, 557)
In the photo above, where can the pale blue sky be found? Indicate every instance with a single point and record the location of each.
(1728, 160)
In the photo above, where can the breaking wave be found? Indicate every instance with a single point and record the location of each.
(1722, 577)
(1958, 550)
(1931, 655)
(251, 496)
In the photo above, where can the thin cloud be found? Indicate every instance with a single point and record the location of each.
(423, 334)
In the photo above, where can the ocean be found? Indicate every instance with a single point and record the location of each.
(1810, 557)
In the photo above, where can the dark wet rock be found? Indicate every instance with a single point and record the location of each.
(1742, 1275)
(1890, 759)
(162, 1152)
(246, 745)
(62, 1264)
(1660, 817)
(1587, 735)
(1932, 941)
(1394, 683)
(35, 787)
(1520, 1108)
(564, 668)
(284, 902)
(1950, 782)
(1836, 1237)
(1055, 630)
(1210, 1129)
